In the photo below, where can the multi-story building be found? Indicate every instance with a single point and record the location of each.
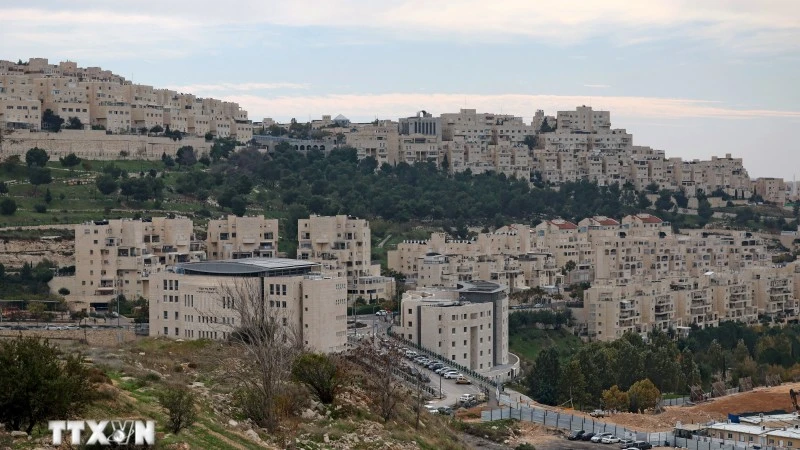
(117, 257)
(772, 190)
(100, 98)
(206, 300)
(467, 325)
(343, 246)
(242, 237)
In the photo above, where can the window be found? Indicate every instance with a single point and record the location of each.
(271, 289)
(452, 344)
(166, 331)
(409, 310)
(284, 304)
(176, 315)
(409, 323)
(283, 288)
(465, 329)
(176, 331)
(453, 331)
(166, 315)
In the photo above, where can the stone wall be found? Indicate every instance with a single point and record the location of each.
(96, 144)
(95, 337)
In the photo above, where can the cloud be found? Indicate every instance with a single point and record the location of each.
(366, 107)
(597, 86)
(195, 26)
(202, 89)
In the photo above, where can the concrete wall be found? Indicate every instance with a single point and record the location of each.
(96, 144)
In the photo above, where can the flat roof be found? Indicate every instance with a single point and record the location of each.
(246, 266)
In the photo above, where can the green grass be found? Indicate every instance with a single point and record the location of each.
(528, 342)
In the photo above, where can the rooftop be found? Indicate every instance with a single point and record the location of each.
(248, 266)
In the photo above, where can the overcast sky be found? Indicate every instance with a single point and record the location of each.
(694, 78)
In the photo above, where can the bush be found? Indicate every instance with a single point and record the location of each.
(8, 207)
(41, 209)
(179, 403)
(63, 291)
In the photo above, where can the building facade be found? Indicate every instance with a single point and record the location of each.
(199, 300)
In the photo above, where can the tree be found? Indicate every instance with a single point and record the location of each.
(572, 385)
(320, 373)
(74, 123)
(652, 188)
(530, 141)
(268, 348)
(36, 310)
(239, 205)
(48, 196)
(63, 291)
(51, 122)
(384, 386)
(36, 157)
(615, 399)
(157, 129)
(664, 200)
(38, 176)
(7, 207)
(3, 187)
(40, 383)
(643, 395)
(543, 379)
(106, 184)
(185, 156)
(69, 161)
(704, 210)
(681, 199)
(643, 202)
(179, 403)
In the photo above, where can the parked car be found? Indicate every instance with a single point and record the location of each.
(598, 413)
(609, 440)
(411, 354)
(443, 370)
(463, 380)
(446, 410)
(587, 436)
(641, 445)
(436, 365)
(452, 375)
(432, 409)
(599, 436)
(381, 313)
(625, 443)
(465, 398)
(576, 435)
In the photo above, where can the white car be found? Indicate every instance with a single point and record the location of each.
(598, 437)
(380, 313)
(452, 375)
(609, 440)
(464, 398)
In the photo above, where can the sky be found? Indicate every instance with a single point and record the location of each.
(693, 78)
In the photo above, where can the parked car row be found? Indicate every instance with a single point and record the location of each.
(609, 438)
(438, 367)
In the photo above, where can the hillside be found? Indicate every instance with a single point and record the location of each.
(137, 371)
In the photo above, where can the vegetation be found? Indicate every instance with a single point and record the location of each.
(30, 283)
(40, 383)
(320, 373)
(180, 405)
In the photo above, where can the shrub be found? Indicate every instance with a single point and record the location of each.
(41, 209)
(179, 403)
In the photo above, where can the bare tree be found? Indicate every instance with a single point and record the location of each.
(381, 366)
(268, 343)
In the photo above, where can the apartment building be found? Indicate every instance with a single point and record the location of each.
(118, 257)
(467, 325)
(379, 140)
(343, 246)
(242, 237)
(199, 300)
(100, 98)
(772, 190)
